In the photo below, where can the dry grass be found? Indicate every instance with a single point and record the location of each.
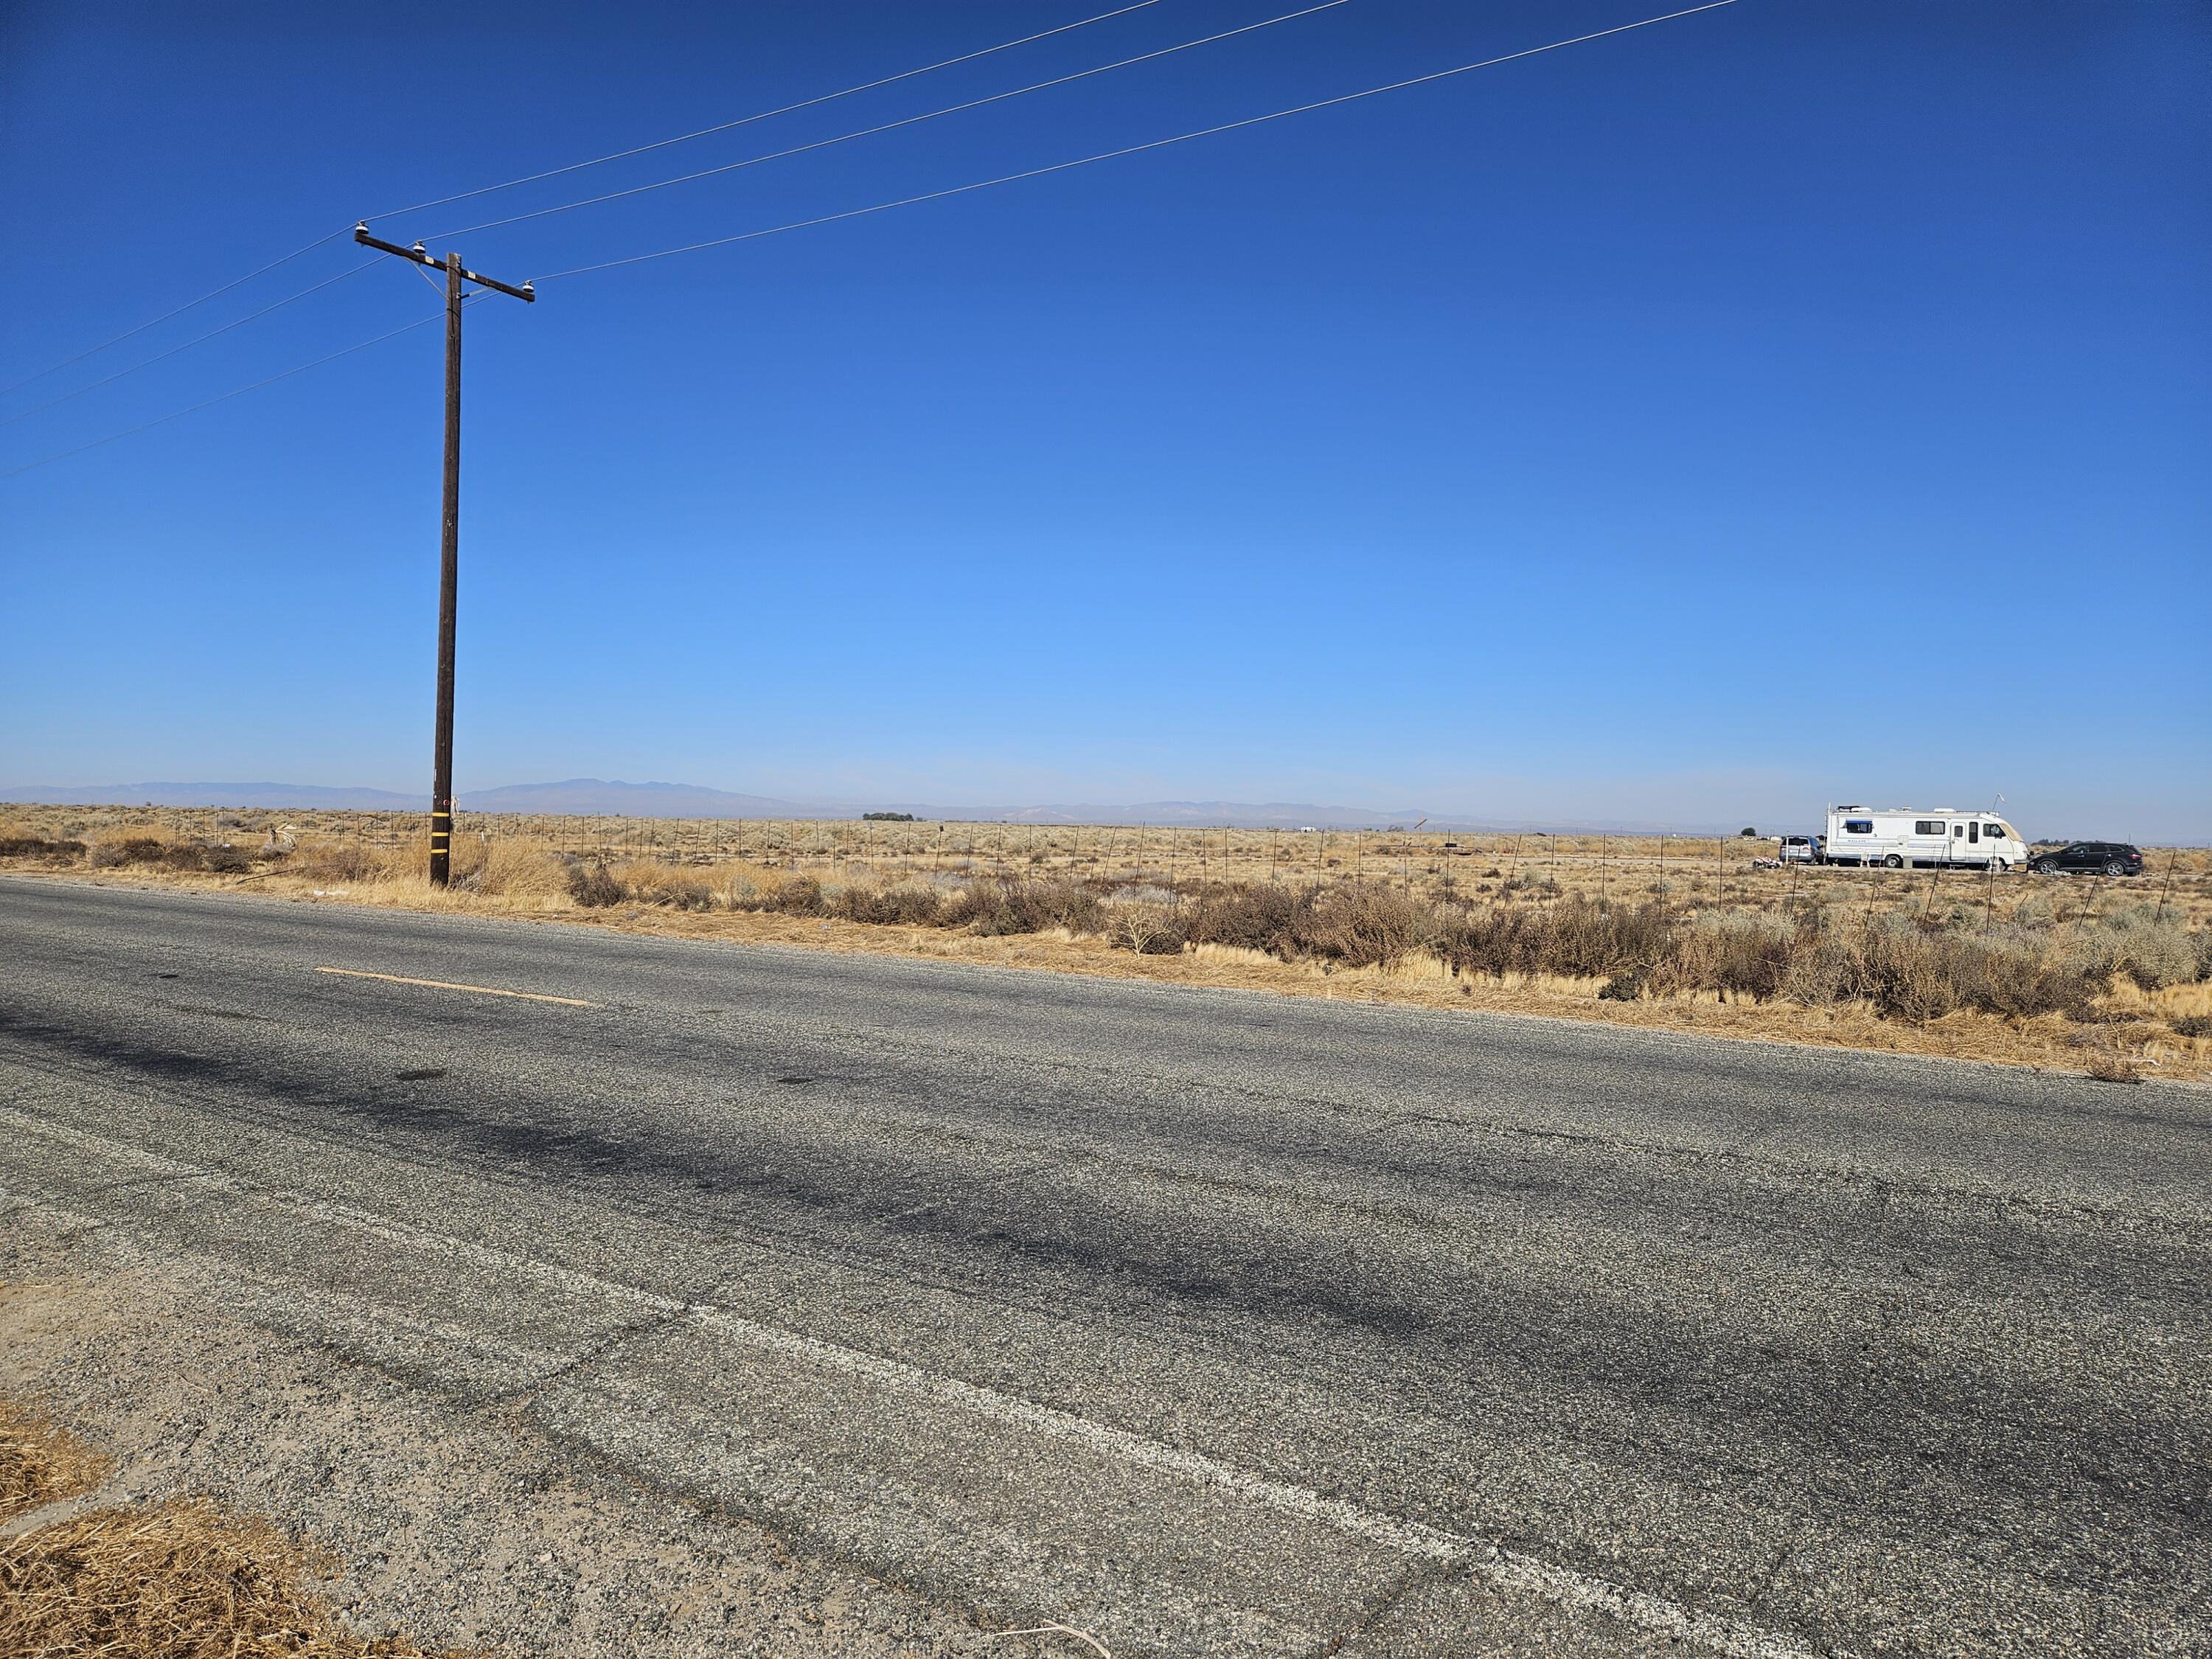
(39, 1463)
(181, 1580)
(1687, 935)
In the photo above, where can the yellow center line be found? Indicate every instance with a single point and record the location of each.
(446, 985)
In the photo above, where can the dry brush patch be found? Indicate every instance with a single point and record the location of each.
(39, 1463)
(184, 1579)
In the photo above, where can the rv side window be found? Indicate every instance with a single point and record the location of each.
(1858, 826)
(1926, 826)
(1994, 831)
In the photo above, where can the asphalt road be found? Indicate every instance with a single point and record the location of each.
(1211, 1322)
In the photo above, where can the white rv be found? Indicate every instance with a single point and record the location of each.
(1921, 838)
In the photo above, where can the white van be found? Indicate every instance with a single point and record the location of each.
(1923, 838)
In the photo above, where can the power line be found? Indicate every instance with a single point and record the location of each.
(226, 396)
(575, 167)
(200, 339)
(766, 114)
(853, 213)
(892, 126)
(1134, 149)
(190, 305)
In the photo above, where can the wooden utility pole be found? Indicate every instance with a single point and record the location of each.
(449, 541)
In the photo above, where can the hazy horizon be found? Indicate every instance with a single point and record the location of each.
(1708, 818)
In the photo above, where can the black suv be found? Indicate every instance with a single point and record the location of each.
(2106, 858)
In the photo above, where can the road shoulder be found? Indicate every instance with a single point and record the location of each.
(461, 1526)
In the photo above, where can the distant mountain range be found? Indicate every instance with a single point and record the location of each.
(600, 797)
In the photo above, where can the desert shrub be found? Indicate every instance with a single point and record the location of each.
(127, 849)
(1578, 937)
(594, 886)
(1272, 919)
(801, 896)
(1501, 939)
(1582, 937)
(1741, 956)
(2192, 1025)
(2154, 951)
(38, 847)
(223, 860)
(1150, 930)
(1907, 973)
(1623, 987)
(909, 905)
(1009, 905)
(1368, 927)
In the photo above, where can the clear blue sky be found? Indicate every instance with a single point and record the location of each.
(1805, 400)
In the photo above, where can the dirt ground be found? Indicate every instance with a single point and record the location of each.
(451, 1524)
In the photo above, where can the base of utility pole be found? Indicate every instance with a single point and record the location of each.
(441, 848)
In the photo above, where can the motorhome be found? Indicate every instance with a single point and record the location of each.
(1921, 838)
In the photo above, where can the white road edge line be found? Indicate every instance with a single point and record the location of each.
(448, 985)
(1564, 1587)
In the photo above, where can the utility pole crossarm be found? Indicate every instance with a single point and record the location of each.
(525, 293)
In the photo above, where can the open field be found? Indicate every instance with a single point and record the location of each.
(2114, 976)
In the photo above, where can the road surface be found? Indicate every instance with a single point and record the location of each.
(1209, 1322)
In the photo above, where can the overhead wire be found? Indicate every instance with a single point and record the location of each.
(199, 339)
(853, 213)
(209, 403)
(574, 167)
(892, 126)
(769, 115)
(188, 305)
(1133, 149)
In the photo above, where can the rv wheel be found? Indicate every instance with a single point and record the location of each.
(1999, 865)
(1893, 862)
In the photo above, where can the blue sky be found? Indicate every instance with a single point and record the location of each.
(1794, 402)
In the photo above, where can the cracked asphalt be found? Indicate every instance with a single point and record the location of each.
(1207, 1322)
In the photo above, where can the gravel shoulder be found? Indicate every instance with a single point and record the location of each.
(458, 1525)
